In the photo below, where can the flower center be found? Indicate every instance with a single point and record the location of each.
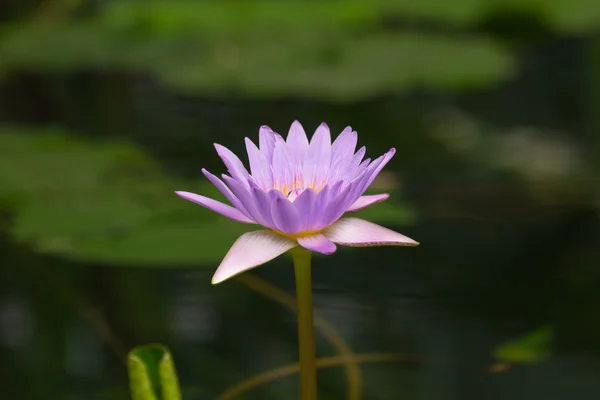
(293, 194)
(292, 188)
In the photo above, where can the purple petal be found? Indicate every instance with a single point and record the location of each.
(247, 199)
(342, 148)
(285, 216)
(318, 243)
(232, 162)
(318, 157)
(353, 167)
(336, 206)
(254, 157)
(376, 168)
(266, 142)
(216, 206)
(358, 232)
(251, 250)
(263, 202)
(260, 168)
(366, 201)
(283, 167)
(345, 144)
(305, 204)
(226, 191)
(364, 164)
(358, 183)
(320, 203)
(297, 142)
(366, 177)
(342, 151)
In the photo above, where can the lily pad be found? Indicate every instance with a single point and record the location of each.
(345, 70)
(259, 49)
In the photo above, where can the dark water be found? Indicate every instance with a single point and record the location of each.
(499, 185)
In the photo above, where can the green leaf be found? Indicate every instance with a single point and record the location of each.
(105, 201)
(236, 50)
(152, 374)
(342, 69)
(529, 348)
(217, 17)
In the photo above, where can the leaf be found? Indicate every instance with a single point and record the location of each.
(532, 347)
(342, 69)
(217, 17)
(105, 201)
(260, 49)
(152, 374)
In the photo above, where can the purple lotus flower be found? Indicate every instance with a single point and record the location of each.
(299, 190)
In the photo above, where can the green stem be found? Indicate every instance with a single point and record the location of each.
(306, 331)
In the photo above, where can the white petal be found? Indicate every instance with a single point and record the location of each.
(251, 250)
(366, 201)
(358, 232)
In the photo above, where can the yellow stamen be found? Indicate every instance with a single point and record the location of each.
(296, 236)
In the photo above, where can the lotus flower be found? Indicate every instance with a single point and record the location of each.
(299, 191)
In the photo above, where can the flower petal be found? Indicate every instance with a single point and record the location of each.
(285, 216)
(375, 167)
(366, 201)
(344, 145)
(251, 250)
(233, 163)
(342, 152)
(305, 204)
(266, 141)
(318, 208)
(216, 206)
(358, 232)
(296, 142)
(353, 168)
(260, 168)
(283, 168)
(244, 194)
(226, 192)
(336, 206)
(263, 201)
(367, 175)
(318, 158)
(318, 243)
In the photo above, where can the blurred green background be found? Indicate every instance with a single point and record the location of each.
(108, 106)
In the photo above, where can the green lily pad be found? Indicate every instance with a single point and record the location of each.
(307, 67)
(235, 50)
(105, 201)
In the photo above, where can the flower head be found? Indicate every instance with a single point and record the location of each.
(299, 190)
